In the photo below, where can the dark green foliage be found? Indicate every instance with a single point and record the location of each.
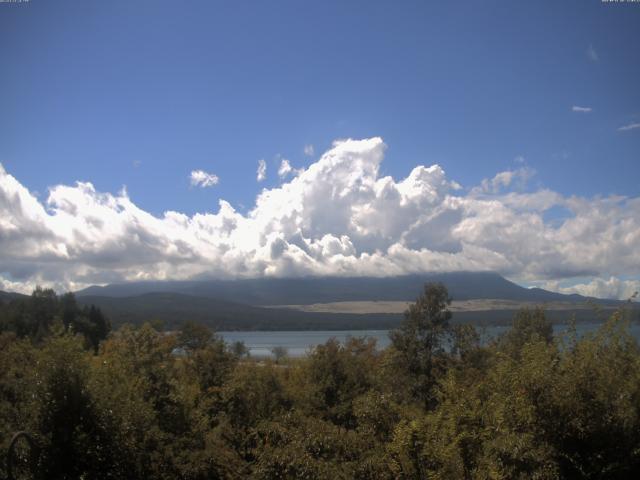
(437, 404)
(419, 342)
(529, 325)
(36, 316)
(211, 364)
(194, 336)
(335, 375)
(239, 349)
(305, 447)
(279, 353)
(69, 429)
(32, 316)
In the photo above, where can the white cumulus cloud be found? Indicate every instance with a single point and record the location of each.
(200, 178)
(578, 109)
(339, 216)
(611, 287)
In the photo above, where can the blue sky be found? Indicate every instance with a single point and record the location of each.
(89, 88)
(141, 93)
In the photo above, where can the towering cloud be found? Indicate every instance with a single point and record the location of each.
(339, 216)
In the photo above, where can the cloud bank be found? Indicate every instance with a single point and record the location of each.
(600, 288)
(339, 216)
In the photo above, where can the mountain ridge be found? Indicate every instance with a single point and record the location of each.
(309, 290)
(265, 303)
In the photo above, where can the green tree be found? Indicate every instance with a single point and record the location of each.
(279, 353)
(211, 365)
(529, 325)
(42, 308)
(418, 344)
(74, 442)
(239, 349)
(335, 375)
(36, 316)
(194, 336)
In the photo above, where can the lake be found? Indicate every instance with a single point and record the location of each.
(298, 343)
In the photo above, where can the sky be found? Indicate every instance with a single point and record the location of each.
(157, 139)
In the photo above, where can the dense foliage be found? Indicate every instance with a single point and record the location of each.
(139, 403)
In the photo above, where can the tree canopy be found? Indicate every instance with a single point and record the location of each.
(438, 403)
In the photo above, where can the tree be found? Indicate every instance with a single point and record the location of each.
(41, 314)
(529, 325)
(74, 442)
(100, 327)
(212, 364)
(279, 352)
(335, 375)
(41, 311)
(418, 343)
(239, 349)
(194, 336)
(68, 309)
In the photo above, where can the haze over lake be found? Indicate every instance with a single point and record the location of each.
(298, 343)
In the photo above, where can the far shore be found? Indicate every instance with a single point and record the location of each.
(476, 305)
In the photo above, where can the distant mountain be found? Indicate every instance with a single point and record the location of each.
(308, 290)
(238, 304)
(8, 296)
(254, 304)
(172, 309)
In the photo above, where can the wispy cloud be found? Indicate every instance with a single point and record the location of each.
(592, 54)
(578, 109)
(509, 178)
(631, 126)
(309, 150)
(200, 178)
(285, 168)
(262, 170)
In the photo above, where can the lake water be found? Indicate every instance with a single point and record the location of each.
(298, 343)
